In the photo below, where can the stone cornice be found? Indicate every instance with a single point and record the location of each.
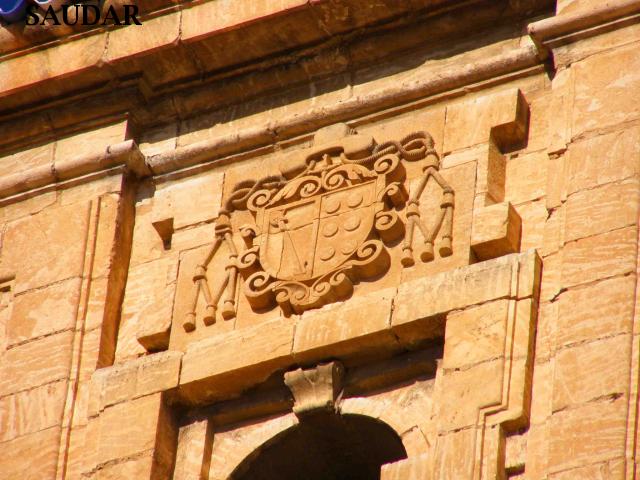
(449, 83)
(442, 84)
(569, 27)
(122, 156)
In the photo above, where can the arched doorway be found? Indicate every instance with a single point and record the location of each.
(325, 446)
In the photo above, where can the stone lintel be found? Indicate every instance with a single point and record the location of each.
(223, 366)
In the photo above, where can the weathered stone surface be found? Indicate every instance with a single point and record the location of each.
(147, 375)
(573, 442)
(526, 178)
(147, 307)
(192, 440)
(602, 159)
(599, 210)
(157, 33)
(595, 311)
(41, 312)
(343, 329)
(230, 362)
(46, 247)
(574, 382)
(432, 296)
(41, 450)
(598, 257)
(145, 424)
(607, 98)
(470, 389)
(139, 467)
(32, 410)
(36, 363)
(475, 335)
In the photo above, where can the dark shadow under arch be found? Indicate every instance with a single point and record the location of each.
(325, 446)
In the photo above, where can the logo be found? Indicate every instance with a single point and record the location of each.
(315, 231)
(43, 12)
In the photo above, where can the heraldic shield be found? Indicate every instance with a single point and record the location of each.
(323, 225)
(309, 239)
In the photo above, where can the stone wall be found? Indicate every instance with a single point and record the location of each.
(234, 218)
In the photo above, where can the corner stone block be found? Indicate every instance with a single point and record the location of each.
(141, 426)
(502, 116)
(144, 376)
(496, 231)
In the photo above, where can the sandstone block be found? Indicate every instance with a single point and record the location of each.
(556, 177)
(606, 96)
(44, 311)
(602, 159)
(147, 307)
(598, 257)
(143, 425)
(595, 311)
(496, 231)
(192, 440)
(611, 470)
(454, 455)
(601, 209)
(190, 201)
(592, 433)
(35, 363)
(147, 375)
(361, 323)
(469, 390)
(526, 178)
(47, 247)
(39, 450)
(490, 175)
(139, 467)
(28, 159)
(574, 381)
(504, 115)
(209, 18)
(475, 335)
(429, 297)
(32, 410)
(533, 216)
(232, 361)
(159, 32)
(95, 141)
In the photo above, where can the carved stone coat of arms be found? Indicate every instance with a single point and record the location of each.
(323, 225)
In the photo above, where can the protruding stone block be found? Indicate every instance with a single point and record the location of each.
(496, 231)
(316, 388)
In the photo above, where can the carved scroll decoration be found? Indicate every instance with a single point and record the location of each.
(321, 227)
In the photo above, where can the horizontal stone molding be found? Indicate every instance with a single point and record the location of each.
(449, 80)
(569, 27)
(125, 154)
